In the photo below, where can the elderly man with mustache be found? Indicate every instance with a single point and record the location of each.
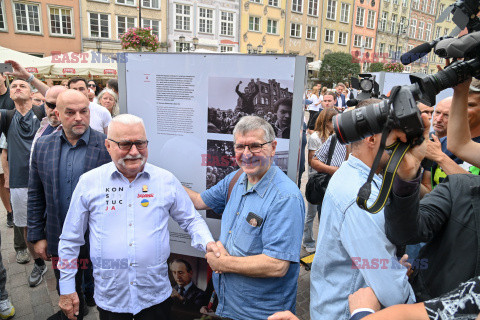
(125, 204)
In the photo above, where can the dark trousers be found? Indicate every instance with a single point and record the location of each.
(18, 239)
(3, 277)
(159, 311)
(78, 281)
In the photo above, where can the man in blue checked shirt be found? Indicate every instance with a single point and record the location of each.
(261, 232)
(126, 205)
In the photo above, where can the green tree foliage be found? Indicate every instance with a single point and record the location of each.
(376, 67)
(337, 67)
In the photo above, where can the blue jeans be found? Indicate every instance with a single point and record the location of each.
(308, 240)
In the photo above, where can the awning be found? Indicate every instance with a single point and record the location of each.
(31, 63)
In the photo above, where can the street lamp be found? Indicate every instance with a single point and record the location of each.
(185, 46)
(259, 49)
(98, 43)
(249, 48)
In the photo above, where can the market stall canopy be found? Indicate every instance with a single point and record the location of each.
(83, 64)
(31, 63)
(315, 65)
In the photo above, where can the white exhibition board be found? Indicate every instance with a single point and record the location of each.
(173, 94)
(388, 80)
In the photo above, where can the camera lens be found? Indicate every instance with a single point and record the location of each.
(360, 123)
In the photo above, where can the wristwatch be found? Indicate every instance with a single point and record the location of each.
(30, 79)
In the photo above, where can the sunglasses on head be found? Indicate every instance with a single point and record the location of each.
(51, 105)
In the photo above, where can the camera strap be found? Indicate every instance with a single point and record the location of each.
(399, 149)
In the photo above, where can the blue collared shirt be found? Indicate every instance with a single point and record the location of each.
(129, 239)
(72, 163)
(352, 249)
(278, 202)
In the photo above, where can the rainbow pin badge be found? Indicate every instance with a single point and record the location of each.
(144, 203)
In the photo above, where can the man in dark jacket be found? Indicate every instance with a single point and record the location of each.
(446, 220)
(57, 162)
(185, 292)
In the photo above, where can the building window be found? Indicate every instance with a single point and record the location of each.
(129, 2)
(360, 16)
(405, 3)
(254, 24)
(393, 25)
(272, 26)
(357, 41)
(257, 1)
(402, 25)
(342, 38)
(413, 28)
(408, 68)
(332, 9)
(226, 23)
(297, 6)
(27, 17)
(329, 35)
(421, 25)
(3, 20)
(381, 48)
(371, 19)
(368, 43)
(445, 32)
(313, 7)
(206, 21)
(99, 25)
(391, 51)
(273, 3)
(311, 33)
(428, 31)
(154, 24)
(395, 2)
(437, 33)
(152, 4)
(345, 13)
(383, 21)
(61, 21)
(182, 17)
(226, 49)
(422, 5)
(123, 24)
(295, 30)
(432, 7)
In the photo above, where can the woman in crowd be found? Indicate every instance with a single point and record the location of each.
(323, 129)
(313, 108)
(92, 84)
(108, 99)
(324, 90)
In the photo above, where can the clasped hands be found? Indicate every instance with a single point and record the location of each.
(215, 256)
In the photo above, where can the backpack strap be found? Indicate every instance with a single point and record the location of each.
(233, 182)
(39, 111)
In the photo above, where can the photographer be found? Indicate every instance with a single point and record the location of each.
(444, 219)
(353, 241)
(465, 109)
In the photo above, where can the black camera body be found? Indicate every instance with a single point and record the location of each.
(401, 113)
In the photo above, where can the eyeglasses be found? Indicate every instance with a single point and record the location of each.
(51, 105)
(92, 85)
(253, 147)
(127, 145)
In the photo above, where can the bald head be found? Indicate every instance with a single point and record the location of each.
(70, 96)
(53, 92)
(440, 117)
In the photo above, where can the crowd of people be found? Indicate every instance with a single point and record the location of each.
(84, 196)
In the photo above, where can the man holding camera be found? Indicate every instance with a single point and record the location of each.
(446, 220)
(357, 251)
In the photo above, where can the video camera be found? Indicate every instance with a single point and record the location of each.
(367, 86)
(400, 110)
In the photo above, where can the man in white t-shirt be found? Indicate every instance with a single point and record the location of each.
(99, 116)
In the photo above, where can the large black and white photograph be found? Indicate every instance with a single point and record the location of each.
(229, 99)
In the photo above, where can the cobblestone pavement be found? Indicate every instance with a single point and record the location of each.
(42, 301)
